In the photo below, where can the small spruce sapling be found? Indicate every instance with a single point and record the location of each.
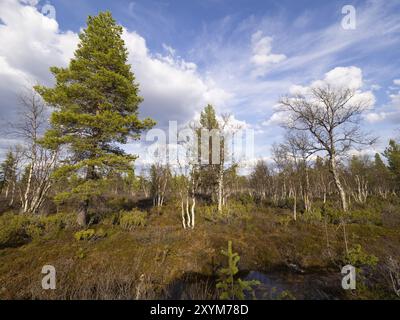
(230, 287)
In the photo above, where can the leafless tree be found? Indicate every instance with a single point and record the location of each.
(39, 161)
(260, 179)
(330, 117)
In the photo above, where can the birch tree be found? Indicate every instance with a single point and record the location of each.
(331, 119)
(39, 162)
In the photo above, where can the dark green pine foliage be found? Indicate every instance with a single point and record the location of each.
(96, 103)
(208, 169)
(8, 171)
(208, 119)
(392, 154)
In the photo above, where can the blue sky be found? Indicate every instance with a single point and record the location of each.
(241, 56)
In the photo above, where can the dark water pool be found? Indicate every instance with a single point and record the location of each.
(273, 285)
(288, 285)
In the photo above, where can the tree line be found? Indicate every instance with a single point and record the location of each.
(77, 157)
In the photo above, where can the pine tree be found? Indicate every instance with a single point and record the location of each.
(392, 154)
(208, 169)
(9, 173)
(96, 103)
(382, 178)
(208, 119)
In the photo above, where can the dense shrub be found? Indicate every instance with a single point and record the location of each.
(312, 216)
(132, 219)
(357, 257)
(366, 216)
(13, 230)
(233, 210)
(84, 234)
(331, 213)
(17, 229)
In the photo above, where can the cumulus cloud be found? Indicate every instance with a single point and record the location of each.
(30, 43)
(339, 77)
(347, 77)
(262, 56)
(396, 82)
(171, 87)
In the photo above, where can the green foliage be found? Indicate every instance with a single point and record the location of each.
(19, 229)
(13, 230)
(331, 212)
(366, 216)
(96, 104)
(357, 257)
(286, 295)
(312, 216)
(85, 234)
(208, 172)
(230, 287)
(234, 210)
(101, 233)
(392, 154)
(90, 234)
(132, 219)
(208, 119)
(9, 168)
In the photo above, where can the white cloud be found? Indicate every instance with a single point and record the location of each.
(277, 118)
(262, 56)
(30, 43)
(395, 99)
(374, 117)
(171, 87)
(396, 82)
(30, 2)
(339, 77)
(350, 77)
